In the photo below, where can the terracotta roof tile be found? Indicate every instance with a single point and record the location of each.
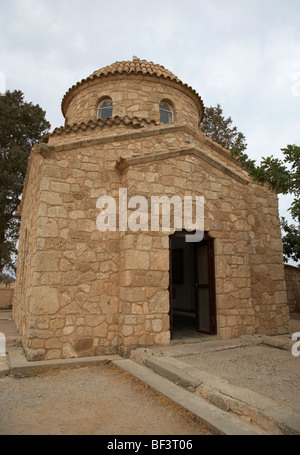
(136, 66)
(133, 122)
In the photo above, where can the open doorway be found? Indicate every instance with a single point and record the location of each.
(192, 287)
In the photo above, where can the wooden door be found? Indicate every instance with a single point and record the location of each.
(205, 287)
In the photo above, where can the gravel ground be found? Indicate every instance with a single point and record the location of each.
(269, 371)
(96, 400)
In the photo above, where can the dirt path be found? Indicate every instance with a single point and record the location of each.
(98, 400)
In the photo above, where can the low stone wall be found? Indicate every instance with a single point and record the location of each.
(292, 277)
(6, 298)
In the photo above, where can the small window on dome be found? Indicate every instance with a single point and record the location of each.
(166, 112)
(105, 109)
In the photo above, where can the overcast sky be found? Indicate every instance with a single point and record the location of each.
(243, 54)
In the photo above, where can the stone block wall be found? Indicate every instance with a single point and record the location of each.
(230, 211)
(6, 298)
(292, 278)
(266, 264)
(81, 291)
(134, 96)
(28, 244)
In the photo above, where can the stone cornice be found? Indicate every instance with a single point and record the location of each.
(123, 163)
(141, 131)
(137, 124)
(118, 137)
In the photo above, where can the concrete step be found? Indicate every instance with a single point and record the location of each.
(260, 410)
(16, 364)
(221, 422)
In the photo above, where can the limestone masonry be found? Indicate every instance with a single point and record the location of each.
(80, 291)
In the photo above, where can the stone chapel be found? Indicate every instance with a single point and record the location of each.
(83, 291)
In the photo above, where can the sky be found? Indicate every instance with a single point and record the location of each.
(242, 54)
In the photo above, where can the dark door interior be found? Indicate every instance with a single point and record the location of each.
(192, 287)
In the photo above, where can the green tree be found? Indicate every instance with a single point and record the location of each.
(22, 125)
(220, 129)
(6, 279)
(282, 176)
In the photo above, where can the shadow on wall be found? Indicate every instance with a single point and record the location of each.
(292, 278)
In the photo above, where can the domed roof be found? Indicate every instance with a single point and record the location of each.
(134, 66)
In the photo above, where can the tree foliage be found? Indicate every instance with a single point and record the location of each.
(22, 125)
(290, 240)
(6, 279)
(284, 176)
(220, 129)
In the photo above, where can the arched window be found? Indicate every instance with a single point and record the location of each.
(166, 112)
(105, 109)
